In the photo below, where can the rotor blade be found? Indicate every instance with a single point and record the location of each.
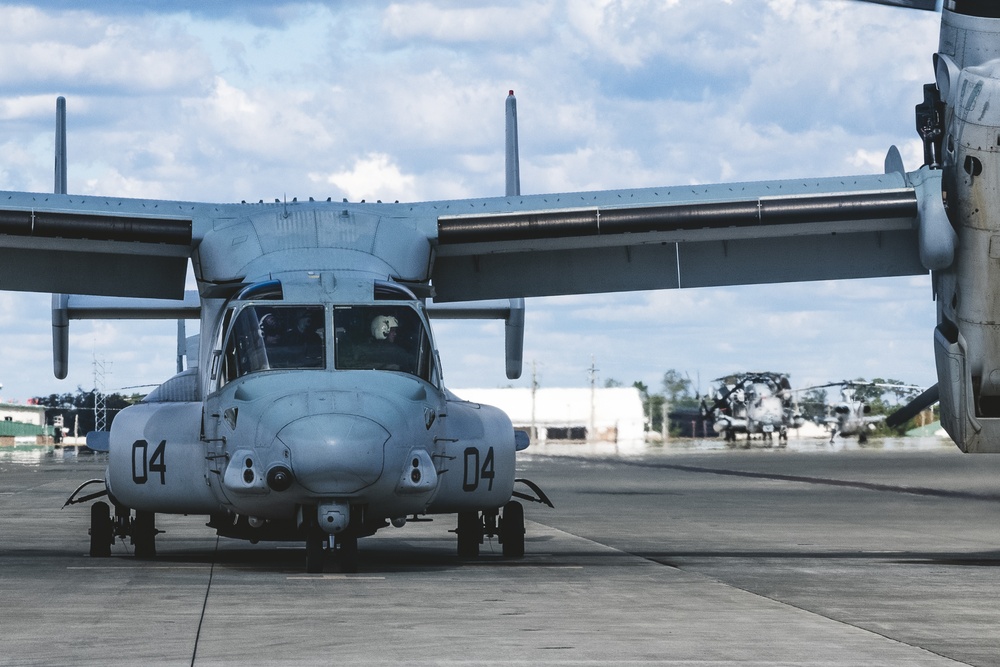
(929, 5)
(925, 400)
(512, 162)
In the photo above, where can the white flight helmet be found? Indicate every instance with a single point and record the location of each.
(381, 326)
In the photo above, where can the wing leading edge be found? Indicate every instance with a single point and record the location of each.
(696, 236)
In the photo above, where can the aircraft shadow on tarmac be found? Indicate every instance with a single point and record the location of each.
(977, 559)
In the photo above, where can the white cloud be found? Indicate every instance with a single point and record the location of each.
(504, 23)
(83, 49)
(374, 177)
(398, 101)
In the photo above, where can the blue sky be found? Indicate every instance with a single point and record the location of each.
(383, 100)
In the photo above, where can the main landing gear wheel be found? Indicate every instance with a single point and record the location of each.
(315, 554)
(144, 534)
(347, 552)
(470, 534)
(512, 530)
(101, 530)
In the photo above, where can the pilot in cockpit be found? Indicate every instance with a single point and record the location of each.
(384, 349)
(270, 329)
(385, 328)
(293, 337)
(302, 331)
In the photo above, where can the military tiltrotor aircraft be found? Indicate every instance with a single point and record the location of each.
(753, 404)
(323, 440)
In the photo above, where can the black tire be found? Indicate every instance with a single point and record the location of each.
(348, 553)
(144, 534)
(470, 534)
(512, 530)
(101, 533)
(315, 555)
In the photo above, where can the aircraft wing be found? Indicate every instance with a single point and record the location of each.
(693, 236)
(654, 238)
(94, 245)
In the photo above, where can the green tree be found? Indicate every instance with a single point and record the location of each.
(678, 391)
(77, 410)
(652, 407)
(813, 403)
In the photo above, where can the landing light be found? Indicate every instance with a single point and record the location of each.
(279, 478)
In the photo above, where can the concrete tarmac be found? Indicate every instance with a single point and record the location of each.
(686, 554)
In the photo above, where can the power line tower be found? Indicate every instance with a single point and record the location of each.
(101, 369)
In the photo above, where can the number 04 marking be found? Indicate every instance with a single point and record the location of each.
(474, 472)
(144, 463)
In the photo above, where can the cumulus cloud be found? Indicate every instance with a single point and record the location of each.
(502, 23)
(389, 100)
(374, 177)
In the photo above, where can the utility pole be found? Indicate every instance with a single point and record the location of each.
(591, 435)
(534, 389)
(100, 399)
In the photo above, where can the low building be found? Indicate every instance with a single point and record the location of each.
(569, 414)
(24, 423)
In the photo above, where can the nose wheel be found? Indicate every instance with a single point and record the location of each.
(320, 544)
(345, 551)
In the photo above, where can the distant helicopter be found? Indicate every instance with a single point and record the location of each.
(754, 403)
(852, 416)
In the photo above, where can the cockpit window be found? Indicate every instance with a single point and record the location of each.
(265, 337)
(385, 337)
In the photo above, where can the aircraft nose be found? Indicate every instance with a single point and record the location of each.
(334, 454)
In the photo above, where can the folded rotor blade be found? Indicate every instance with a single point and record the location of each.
(925, 400)
(929, 5)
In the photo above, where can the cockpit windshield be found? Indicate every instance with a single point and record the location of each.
(389, 337)
(267, 337)
(382, 337)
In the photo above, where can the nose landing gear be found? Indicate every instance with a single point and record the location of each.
(343, 544)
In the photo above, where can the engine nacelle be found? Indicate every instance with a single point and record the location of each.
(157, 461)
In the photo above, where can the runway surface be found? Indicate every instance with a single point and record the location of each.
(686, 554)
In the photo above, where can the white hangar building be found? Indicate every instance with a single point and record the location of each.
(574, 414)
